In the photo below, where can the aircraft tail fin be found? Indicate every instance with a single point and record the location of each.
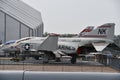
(103, 31)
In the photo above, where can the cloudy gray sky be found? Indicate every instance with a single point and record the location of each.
(71, 16)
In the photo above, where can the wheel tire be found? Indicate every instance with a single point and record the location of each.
(58, 60)
(36, 58)
(44, 62)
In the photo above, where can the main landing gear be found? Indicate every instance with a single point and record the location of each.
(73, 59)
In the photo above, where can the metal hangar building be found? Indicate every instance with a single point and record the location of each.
(18, 20)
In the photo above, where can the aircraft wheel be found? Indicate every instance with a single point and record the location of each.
(45, 62)
(58, 60)
(36, 58)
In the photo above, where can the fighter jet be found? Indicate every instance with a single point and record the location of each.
(89, 40)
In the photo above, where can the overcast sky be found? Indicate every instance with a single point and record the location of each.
(71, 16)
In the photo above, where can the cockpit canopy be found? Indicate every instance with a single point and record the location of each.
(10, 42)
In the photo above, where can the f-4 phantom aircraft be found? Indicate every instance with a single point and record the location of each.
(52, 47)
(31, 44)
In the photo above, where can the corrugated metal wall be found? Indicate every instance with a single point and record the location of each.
(2, 24)
(18, 20)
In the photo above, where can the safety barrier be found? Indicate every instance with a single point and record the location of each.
(115, 63)
(33, 75)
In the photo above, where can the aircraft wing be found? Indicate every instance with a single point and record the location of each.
(49, 44)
